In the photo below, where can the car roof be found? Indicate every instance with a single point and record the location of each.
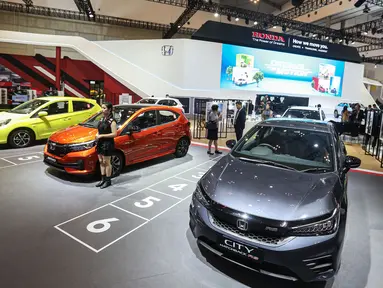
(141, 106)
(299, 123)
(304, 108)
(61, 98)
(160, 98)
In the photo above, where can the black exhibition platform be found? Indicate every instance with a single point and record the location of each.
(60, 231)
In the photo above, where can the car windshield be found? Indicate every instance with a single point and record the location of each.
(28, 107)
(306, 114)
(296, 148)
(147, 101)
(121, 114)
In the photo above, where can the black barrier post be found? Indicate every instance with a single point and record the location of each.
(199, 118)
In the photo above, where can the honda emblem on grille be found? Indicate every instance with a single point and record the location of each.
(242, 224)
(52, 146)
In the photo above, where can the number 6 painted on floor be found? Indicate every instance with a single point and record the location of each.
(105, 225)
(148, 202)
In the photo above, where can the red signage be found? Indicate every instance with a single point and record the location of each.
(271, 37)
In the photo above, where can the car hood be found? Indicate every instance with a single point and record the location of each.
(74, 134)
(12, 116)
(268, 191)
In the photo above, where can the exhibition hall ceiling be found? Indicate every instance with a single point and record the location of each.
(335, 14)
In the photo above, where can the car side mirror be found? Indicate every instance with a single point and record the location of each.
(133, 129)
(42, 114)
(352, 162)
(231, 143)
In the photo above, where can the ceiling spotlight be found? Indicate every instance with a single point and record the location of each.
(340, 40)
(326, 37)
(353, 42)
(274, 27)
(255, 23)
(237, 19)
(216, 14)
(91, 15)
(365, 32)
(314, 35)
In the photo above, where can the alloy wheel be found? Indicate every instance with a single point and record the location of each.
(182, 147)
(21, 139)
(116, 165)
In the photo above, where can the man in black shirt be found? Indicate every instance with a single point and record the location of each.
(239, 120)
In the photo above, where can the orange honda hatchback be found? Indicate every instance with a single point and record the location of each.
(144, 132)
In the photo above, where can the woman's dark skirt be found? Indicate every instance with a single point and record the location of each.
(212, 134)
(105, 148)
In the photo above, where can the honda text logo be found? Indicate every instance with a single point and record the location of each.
(167, 50)
(242, 224)
(268, 38)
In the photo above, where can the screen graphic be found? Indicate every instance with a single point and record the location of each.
(276, 72)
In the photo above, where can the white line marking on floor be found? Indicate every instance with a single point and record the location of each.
(180, 178)
(126, 211)
(30, 162)
(122, 198)
(97, 251)
(25, 154)
(74, 238)
(156, 191)
(205, 170)
(8, 161)
(119, 238)
(159, 214)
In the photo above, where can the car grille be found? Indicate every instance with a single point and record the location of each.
(256, 238)
(320, 265)
(57, 149)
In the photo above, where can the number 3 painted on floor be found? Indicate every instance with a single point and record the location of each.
(105, 225)
(148, 202)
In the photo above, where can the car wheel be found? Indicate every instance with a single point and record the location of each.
(117, 164)
(182, 147)
(336, 114)
(21, 138)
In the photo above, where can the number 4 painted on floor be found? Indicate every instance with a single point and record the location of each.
(178, 187)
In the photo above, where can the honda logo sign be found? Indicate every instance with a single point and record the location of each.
(167, 50)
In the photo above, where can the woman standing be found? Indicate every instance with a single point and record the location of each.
(107, 130)
(212, 129)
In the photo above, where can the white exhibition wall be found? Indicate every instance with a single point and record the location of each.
(195, 66)
(193, 69)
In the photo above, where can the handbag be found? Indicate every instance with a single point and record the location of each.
(211, 125)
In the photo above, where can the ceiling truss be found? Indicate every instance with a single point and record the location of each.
(74, 15)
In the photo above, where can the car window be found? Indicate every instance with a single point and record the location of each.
(81, 106)
(121, 114)
(147, 101)
(57, 108)
(163, 102)
(28, 107)
(167, 116)
(306, 114)
(298, 148)
(172, 103)
(145, 120)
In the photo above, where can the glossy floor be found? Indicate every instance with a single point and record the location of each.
(59, 231)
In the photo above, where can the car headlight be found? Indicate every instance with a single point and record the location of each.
(324, 227)
(4, 122)
(199, 195)
(82, 146)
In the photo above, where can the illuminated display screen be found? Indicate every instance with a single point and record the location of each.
(276, 72)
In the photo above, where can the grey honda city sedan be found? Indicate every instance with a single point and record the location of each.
(277, 203)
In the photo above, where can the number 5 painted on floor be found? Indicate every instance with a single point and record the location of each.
(148, 202)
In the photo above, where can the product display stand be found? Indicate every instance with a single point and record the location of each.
(371, 139)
